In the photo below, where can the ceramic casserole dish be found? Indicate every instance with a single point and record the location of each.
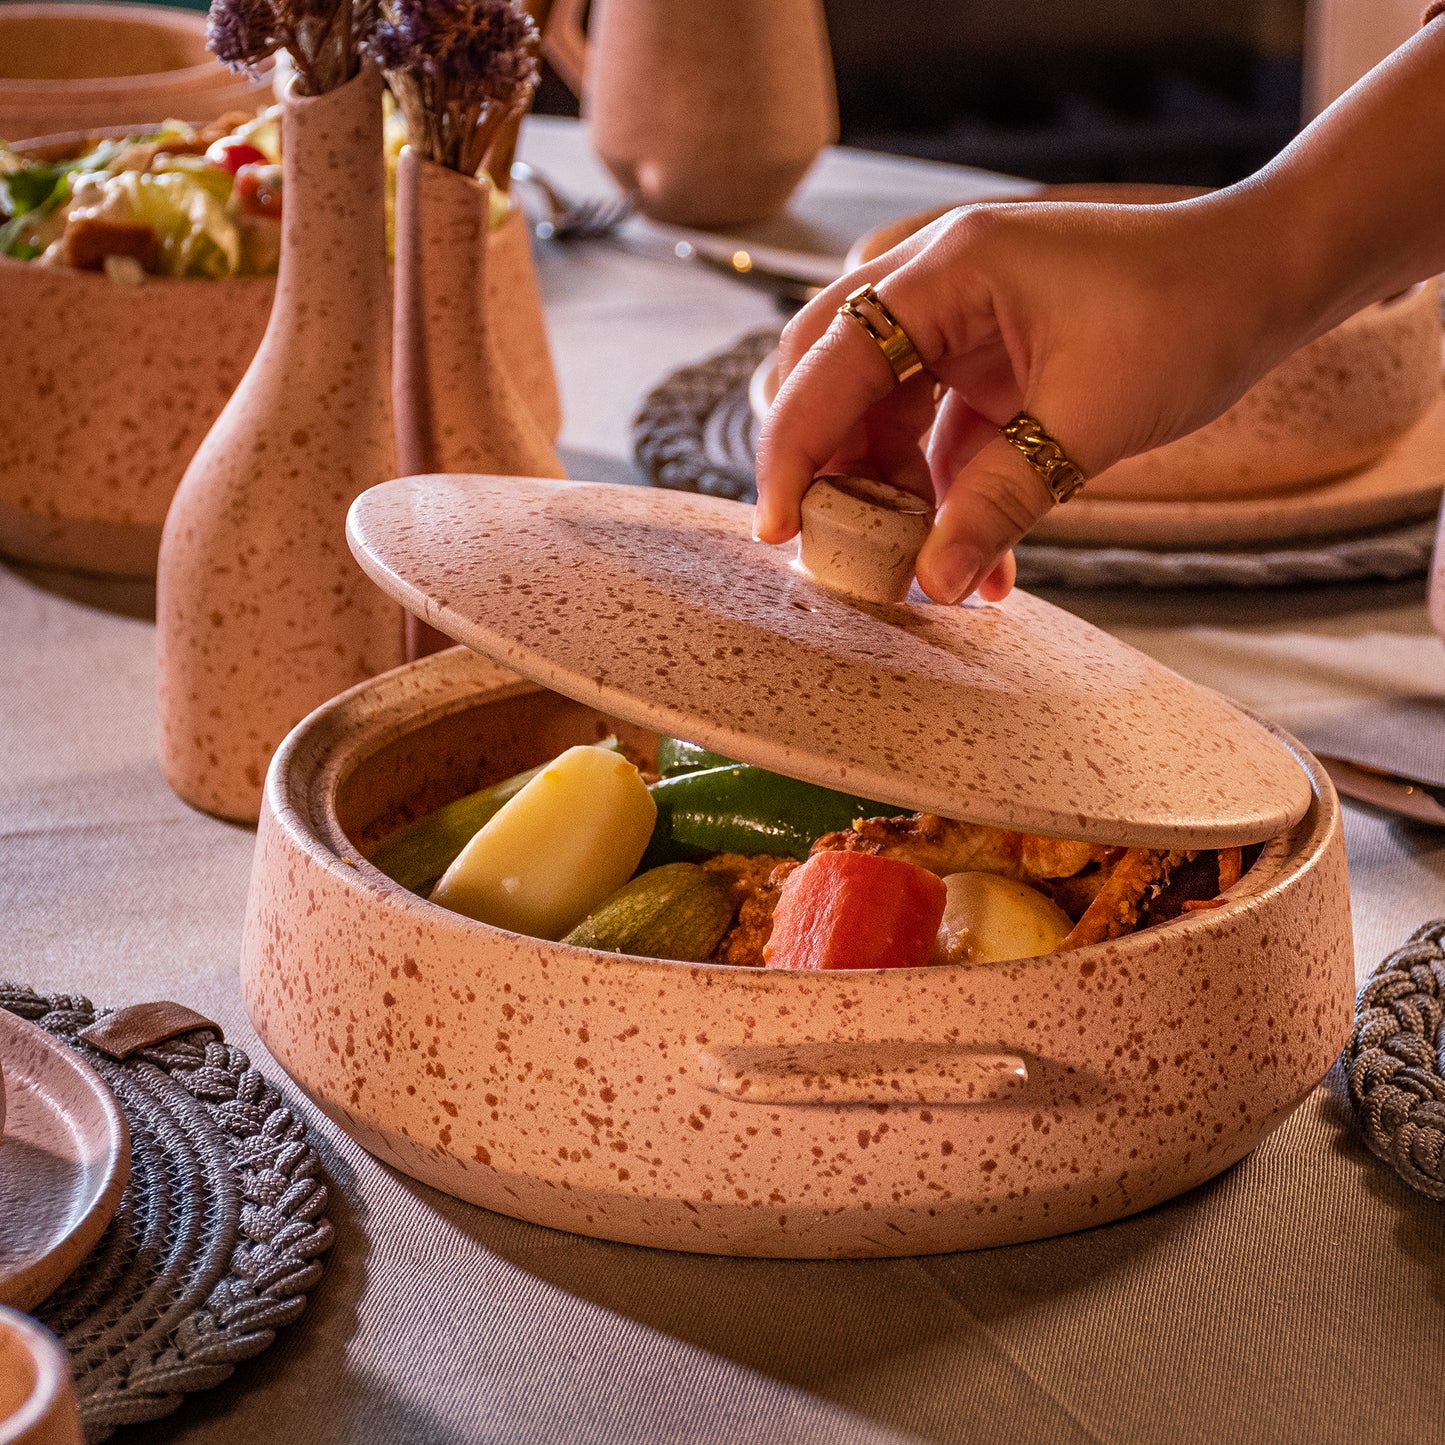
(757, 1111)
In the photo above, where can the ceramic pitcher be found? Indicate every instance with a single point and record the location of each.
(458, 405)
(262, 614)
(710, 112)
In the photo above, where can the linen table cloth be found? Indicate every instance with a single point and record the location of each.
(1301, 1296)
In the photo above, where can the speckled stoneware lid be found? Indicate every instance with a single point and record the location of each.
(661, 609)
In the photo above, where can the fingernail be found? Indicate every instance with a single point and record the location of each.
(956, 573)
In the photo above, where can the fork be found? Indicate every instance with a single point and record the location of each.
(572, 218)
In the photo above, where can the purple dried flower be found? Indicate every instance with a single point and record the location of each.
(322, 36)
(241, 33)
(458, 68)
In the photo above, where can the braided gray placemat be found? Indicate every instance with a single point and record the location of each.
(1393, 1062)
(218, 1234)
(696, 432)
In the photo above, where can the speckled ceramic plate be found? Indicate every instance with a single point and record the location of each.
(64, 1162)
(1403, 486)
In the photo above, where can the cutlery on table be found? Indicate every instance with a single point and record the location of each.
(1409, 797)
(573, 218)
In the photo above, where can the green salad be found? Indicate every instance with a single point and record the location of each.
(175, 200)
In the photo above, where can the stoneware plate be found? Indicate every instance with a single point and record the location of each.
(1405, 484)
(64, 1162)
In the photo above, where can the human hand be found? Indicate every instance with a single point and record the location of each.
(1119, 327)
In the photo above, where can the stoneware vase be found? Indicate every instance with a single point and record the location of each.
(458, 405)
(261, 613)
(711, 113)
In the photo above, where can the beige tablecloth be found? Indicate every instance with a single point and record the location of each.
(1300, 1297)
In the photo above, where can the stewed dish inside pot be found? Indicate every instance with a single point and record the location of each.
(691, 856)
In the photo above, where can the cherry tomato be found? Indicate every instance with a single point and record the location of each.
(258, 189)
(230, 153)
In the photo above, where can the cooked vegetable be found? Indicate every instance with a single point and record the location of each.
(742, 809)
(569, 839)
(417, 855)
(678, 911)
(855, 910)
(988, 919)
(674, 756)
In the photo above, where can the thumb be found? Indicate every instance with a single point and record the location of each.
(992, 502)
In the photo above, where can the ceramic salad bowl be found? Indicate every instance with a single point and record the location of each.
(107, 401)
(756, 1111)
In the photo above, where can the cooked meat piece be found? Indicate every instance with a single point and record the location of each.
(88, 240)
(1075, 894)
(743, 944)
(1116, 910)
(1231, 867)
(743, 874)
(944, 846)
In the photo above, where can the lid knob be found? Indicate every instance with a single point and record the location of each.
(862, 537)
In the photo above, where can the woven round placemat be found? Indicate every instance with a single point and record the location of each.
(218, 1235)
(1393, 1062)
(696, 432)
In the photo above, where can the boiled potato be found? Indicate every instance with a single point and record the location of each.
(988, 919)
(570, 839)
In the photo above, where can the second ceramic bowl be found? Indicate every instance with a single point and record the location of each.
(82, 67)
(37, 1403)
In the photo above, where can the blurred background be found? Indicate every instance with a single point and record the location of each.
(1111, 90)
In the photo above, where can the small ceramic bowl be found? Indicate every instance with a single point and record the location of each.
(752, 1111)
(1334, 407)
(37, 1403)
(110, 390)
(67, 67)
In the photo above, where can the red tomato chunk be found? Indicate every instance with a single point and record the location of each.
(853, 910)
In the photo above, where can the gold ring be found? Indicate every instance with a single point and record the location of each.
(866, 307)
(1048, 459)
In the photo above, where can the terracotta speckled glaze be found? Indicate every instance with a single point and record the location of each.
(660, 608)
(83, 67)
(1335, 406)
(37, 1401)
(712, 113)
(261, 613)
(760, 1112)
(458, 407)
(1437, 579)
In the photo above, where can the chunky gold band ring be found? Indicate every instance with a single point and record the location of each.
(866, 307)
(1048, 459)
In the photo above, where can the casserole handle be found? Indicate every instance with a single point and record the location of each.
(903, 1072)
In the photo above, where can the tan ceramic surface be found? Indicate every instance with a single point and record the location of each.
(1335, 406)
(261, 613)
(1405, 484)
(83, 67)
(1437, 580)
(108, 402)
(711, 112)
(37, 1402)
(457, 407)
(659, 607)
(862, 537)
(64, 1162)
(746, 1111)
